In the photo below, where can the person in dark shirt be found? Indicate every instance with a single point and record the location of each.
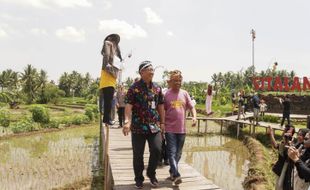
(283, 166)
(286, 102)
(301, 160)
(145, 118)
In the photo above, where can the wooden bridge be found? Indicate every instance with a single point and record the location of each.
(121, 175)
(247, 121)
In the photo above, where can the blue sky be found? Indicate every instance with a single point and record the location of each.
(198, 37)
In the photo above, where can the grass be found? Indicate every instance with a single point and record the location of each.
(73, 101)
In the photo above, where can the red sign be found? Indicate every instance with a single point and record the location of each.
(280, 84)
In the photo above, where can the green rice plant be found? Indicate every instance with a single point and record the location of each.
(80, 119)
(270, 119)
(91, 111)
(25, 125)
(54, 123)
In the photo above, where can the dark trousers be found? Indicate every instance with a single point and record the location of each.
(287, 116)
(138, 145)
(105, 98)
(121, 115)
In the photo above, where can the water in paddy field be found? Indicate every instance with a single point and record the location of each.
(51, 160)
(222, 159)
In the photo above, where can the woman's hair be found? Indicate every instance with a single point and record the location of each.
(175, 73)
(209, 92)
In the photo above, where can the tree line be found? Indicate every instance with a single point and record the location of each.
(32, 85)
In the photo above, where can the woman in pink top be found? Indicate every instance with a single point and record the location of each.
(177, 101)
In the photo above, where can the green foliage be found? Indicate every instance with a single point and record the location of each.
(40, 114)
(67, 121)
(76, 119)
(270, 118)
(25, 125)
(51, 94)
(80, 119)
(91, 111)
(54, 123)
(4, 118)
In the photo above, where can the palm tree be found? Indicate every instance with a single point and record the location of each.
(41, 84)
(29, 82)
(65, 83)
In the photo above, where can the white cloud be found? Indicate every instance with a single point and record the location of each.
(38, 32)
(170, 33)
(72, 3)
(50, 3)
(71, 34)
(3, 34)
(10, 17)
(107, 5)
(124, 29)
(4, 28)
(152, 17)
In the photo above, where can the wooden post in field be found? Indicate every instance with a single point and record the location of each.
(222, 126)
(107, 181)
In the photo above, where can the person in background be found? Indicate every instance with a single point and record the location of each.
(233, 101)
(145, 118)
(301, 136)
(114, 102)
(286, 102)
(120, 104)
(262, 107)
(194, 103)
(255, 101)
(209, 100)
(283, 167)
(301, 159)
(108, 77)
(274, 67)
(177, 101)
(241, 104)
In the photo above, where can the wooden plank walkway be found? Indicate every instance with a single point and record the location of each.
(120, 154)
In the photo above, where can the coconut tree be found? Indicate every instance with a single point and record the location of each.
(29, 79)
(41, 85)
(65, 83)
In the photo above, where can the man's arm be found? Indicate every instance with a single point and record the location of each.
(127, 123)
(106, 53)
(161, 111)
(272, 139)
(194, 114)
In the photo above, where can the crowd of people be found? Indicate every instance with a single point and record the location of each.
(158, 117)
(292, 168)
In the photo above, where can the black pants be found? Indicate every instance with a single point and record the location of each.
(138, 145)
(121, 115)
(287, 116)
(106, 97)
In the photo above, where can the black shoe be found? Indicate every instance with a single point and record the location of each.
(166, 163)
(139, 185)
(154, 182)
(177, 180)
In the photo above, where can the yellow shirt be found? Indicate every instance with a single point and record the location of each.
(106, 80)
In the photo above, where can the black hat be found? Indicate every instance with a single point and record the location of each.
(113, 37)
(144, 65)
